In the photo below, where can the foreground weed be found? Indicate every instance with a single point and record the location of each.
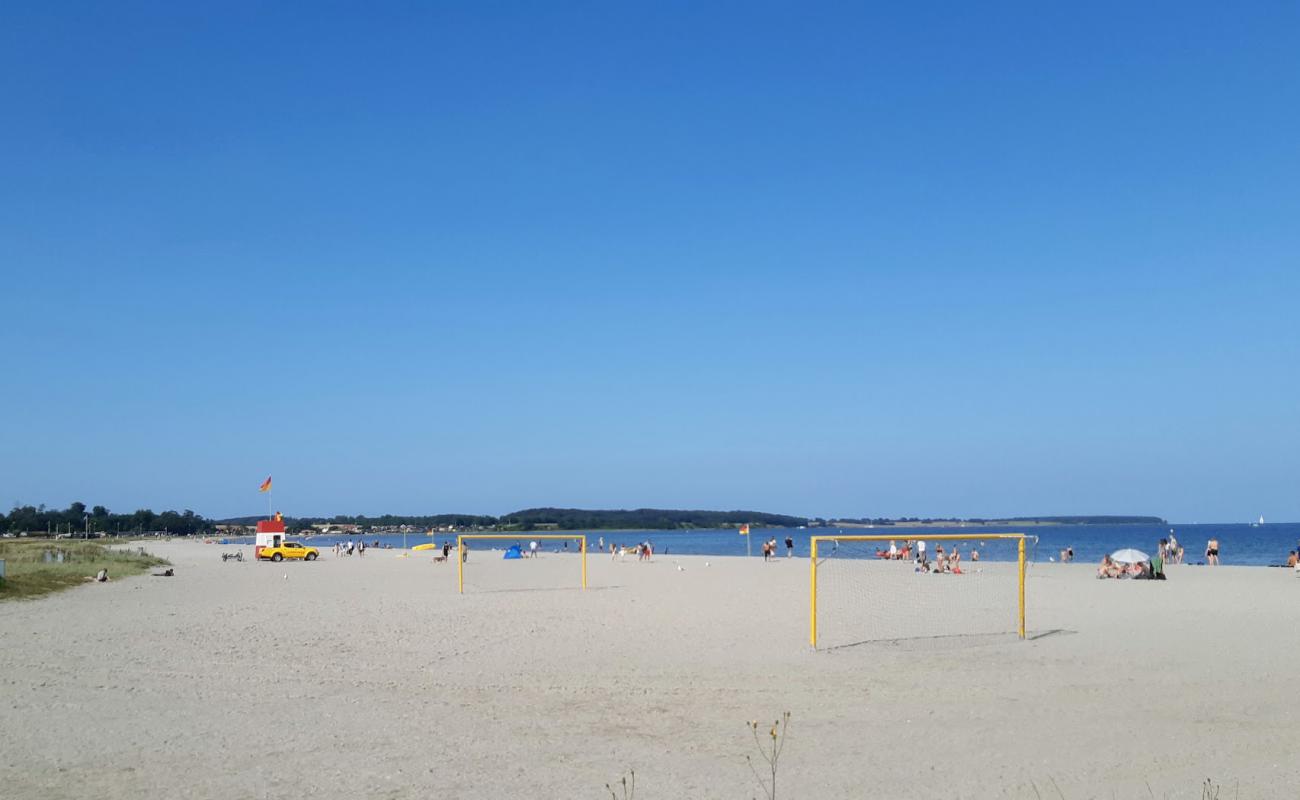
(629, 790)
(770, 750)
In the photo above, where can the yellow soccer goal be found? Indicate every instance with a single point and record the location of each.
(892, 587)
(467, 546)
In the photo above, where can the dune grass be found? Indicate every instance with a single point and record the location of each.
(33, 568)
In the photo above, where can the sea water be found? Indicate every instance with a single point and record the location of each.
(1241, 545)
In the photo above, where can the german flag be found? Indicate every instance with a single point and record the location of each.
(266, 485)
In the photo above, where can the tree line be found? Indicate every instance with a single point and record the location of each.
(573, 519)
(1069, 520)
(76, 518)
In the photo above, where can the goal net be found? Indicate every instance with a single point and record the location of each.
(881, 588)
(520, 562)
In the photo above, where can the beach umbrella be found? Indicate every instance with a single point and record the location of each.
(1129, 556)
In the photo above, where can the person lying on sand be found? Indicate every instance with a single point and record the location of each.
(1108, 568)
(1140, 571)
(98, 577)
(167, 573)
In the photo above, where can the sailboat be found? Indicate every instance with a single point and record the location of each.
(1257, 524)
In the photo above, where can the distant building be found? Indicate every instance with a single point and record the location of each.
(335, 527)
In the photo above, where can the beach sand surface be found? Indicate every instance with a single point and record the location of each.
(372, 678)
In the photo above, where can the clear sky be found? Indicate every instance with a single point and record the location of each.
(916, 259)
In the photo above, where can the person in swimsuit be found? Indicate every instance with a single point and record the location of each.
(1212, 552)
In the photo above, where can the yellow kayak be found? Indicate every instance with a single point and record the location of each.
(429, 546)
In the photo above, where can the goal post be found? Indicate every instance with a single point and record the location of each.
(881, 576)
(461, 549)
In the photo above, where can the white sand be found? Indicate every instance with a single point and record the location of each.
(371, 678)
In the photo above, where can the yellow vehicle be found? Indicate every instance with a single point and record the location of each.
(288, 550)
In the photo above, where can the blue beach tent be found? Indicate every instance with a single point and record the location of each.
(513, 552)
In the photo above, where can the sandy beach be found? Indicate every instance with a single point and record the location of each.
(372, 678)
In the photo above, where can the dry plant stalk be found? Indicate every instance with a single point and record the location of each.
(770, 751)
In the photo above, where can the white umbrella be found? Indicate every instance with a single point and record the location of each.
(1129, 556)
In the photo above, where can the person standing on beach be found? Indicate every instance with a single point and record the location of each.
(1212, 552)
(789, 547)
(920, 550)
(600, 544)
(893, 549)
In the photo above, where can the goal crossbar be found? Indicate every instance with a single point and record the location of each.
(568, 537)
(941, 537)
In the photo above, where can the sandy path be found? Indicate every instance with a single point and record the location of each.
(359, 678)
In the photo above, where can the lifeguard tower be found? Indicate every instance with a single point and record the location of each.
(270, 533)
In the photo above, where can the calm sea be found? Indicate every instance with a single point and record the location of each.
(1245, 545)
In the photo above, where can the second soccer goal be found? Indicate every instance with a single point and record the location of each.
(881, 588)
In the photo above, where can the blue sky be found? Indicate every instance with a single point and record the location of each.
(919, 259)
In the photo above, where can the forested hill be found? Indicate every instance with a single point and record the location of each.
(565, 519)
(572, 519)
(381, 521)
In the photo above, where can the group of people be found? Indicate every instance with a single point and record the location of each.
(643, 551)
(1142, 570)
(949, 562)
(1172, 552)
(350, 549)
(769, 548)
(1154, 569)
(896, 553)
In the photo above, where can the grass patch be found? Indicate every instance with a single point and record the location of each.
(36, 568)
